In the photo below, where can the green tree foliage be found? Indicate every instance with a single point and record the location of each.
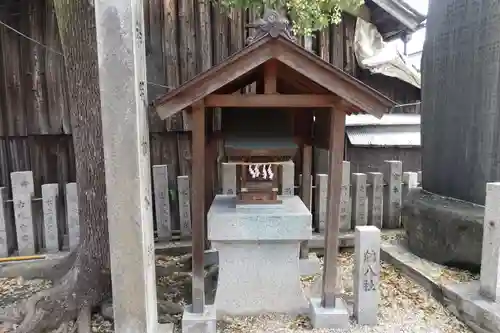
(306, 15)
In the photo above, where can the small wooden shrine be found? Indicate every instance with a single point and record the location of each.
(296, 91)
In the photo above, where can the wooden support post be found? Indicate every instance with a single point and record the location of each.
(121, 42)
(198, 206)
(330, 269)
(305, 191)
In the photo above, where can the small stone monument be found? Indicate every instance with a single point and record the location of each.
(366, 274)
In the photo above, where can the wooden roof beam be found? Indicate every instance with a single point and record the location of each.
(271, 100)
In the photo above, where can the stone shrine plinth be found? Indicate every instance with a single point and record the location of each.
(258, 249)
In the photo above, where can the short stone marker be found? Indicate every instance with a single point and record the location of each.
(288, 178)
(22, 193)
(229, 178)
(375, 198)
(393, 174)
(366, 274)
(72, 216)
(359, 201)
(320, 202)
(345, 198)
(490, 260)
(184, 205)
(162, 202)
(50, 207)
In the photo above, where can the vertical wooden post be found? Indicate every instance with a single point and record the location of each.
(198, 206)
(305, 190)
(121, 42)
(335, 158)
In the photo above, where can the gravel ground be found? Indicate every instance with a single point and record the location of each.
(405, 306)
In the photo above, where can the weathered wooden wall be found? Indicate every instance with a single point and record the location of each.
(183, 38)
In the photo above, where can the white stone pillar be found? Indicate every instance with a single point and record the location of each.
(122, 77)
(410, 180)
(50, 208)
(366, 274)
(375, 198)
(229, 178)
(288, 178)
(345, 197)
(359, 200)
(490, 259)
(23, 189)
(72, 215)
(392, 204)
(321, 200)
(162, 202)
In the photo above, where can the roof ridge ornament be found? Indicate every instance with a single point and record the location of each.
(272, 24)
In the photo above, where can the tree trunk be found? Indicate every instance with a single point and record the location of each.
(87, 281)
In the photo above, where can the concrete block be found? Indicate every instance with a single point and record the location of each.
(490, 259)
(329, 318)
(366, 274)
(310, 266)
(205, 322)
(258, 248)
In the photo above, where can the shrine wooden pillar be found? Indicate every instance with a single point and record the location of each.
(335, 158)
(198, 196)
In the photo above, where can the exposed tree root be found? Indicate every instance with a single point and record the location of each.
(54, 308)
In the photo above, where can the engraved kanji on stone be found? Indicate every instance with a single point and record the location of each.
(395, 190)
(20, 204)
(142, 90)
(138, 30)
(145, 146)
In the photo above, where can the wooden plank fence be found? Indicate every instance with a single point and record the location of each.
(49, 224)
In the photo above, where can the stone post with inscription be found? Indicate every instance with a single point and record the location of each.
(288, 178)
(366, 274)
(183, 186)
(393, 173)
(50, 208)
(490, 258)
(229, 178)
(162, 202)
(23, 189)
(122, 78)
(345, 197)
(375, 198)
(359, 200)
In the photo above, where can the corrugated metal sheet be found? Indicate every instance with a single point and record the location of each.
(384, 136)
(387, 119)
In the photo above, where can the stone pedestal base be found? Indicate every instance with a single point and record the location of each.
(259, 256)
(199, 323)
(310, 266)
(444, 230)
(337, 317)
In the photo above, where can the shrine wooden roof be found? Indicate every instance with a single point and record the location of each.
(299, 71)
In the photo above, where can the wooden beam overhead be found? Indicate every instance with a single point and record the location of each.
(270, 77)
(271, 100)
